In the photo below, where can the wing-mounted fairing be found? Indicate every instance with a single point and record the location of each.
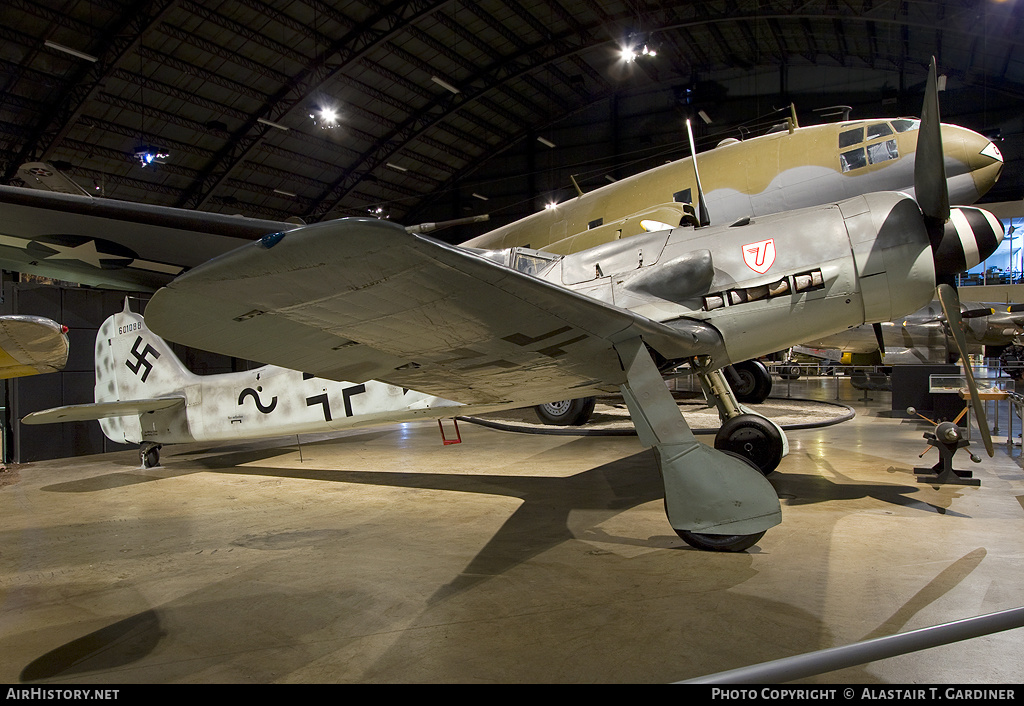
(30, 345)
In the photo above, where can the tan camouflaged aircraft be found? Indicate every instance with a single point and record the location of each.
(782, 171)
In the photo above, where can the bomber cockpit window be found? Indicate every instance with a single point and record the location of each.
(851, 137)
(871, 153)
(853, 159)
(905, 124)
(879, 130)
(882, 152)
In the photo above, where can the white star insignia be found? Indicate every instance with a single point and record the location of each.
(86, 252)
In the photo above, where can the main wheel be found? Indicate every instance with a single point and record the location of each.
(567, 413)
(754, 382)
(789, 371)
(720, 542)
(754, 438)
(1012, 361)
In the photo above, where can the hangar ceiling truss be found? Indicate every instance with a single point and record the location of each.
(427, 92)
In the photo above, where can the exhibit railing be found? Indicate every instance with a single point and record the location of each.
(831, 659)
(861, 383)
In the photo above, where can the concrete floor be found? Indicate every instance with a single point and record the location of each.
(383, 556)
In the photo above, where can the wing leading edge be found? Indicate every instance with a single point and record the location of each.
(360, 299)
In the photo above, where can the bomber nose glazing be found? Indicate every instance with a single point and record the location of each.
(984, 160)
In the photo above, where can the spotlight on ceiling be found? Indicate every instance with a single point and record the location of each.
(324, 118)
(148, 154)
(636, 48)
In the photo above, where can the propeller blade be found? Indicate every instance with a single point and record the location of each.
(929, 168)
(878, 337)
(951, 306)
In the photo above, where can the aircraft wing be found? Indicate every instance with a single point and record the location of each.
(101, 410)
(113, 244)
(30, 345)
(360, 299)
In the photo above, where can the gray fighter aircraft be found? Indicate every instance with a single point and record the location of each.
(362, 299)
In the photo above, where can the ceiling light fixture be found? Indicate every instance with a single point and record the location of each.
(325, 118)
(480, 196)
(268, 123)
(69, 50)
(284, 193)
(396, 167)
(546, 143)
(444, 84)
(147, 155)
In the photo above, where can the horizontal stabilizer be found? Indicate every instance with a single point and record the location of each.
(101, 410)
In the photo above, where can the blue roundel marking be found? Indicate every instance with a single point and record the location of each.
(271, 239)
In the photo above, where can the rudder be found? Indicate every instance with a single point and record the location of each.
(132, 363)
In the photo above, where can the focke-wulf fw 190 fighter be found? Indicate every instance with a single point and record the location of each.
(363, 299)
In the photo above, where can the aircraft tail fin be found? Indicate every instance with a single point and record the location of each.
(134, 364)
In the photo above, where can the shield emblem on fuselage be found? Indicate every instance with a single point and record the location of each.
(760, 256)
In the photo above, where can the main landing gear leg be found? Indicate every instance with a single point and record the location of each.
(713, 500)
(743, 431)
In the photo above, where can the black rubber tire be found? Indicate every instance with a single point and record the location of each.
(1012, 361)
(720, 542)
(567, 413)
(150, 457)
(789, 371)
(755, 382)
(754, 438)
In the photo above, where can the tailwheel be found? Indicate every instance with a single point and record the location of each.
(720, 542)
(754, 438)
(149, 454)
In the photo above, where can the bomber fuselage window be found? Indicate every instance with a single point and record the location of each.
(851, 137)
(682, 196)
(595, 223)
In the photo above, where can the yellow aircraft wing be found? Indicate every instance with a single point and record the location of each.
(30, 345)
(360, 299)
